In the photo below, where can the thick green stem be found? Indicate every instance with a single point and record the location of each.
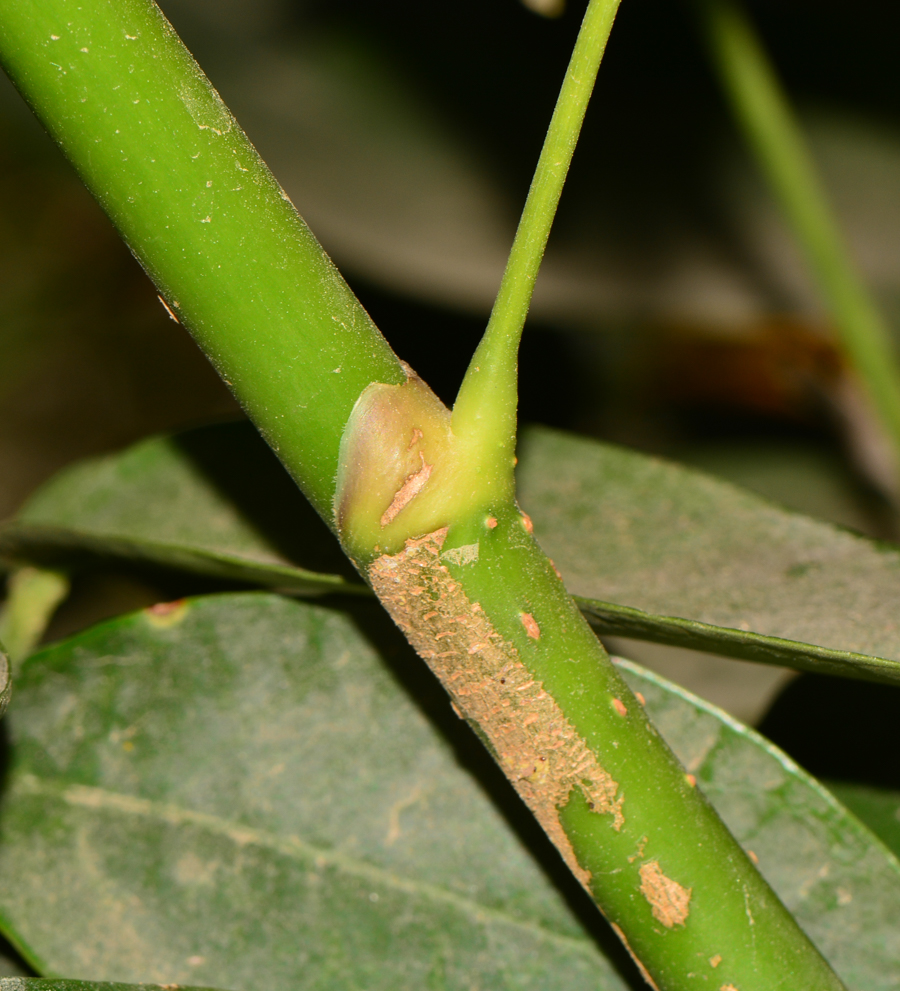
(235, 263)
(462, 576)
(770, 126)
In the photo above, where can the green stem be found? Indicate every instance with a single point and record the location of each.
(198, 207)
(774, 134)
(485, 408)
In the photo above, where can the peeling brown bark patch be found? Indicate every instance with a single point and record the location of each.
(669, 902)
(409, 489)
(538, 748)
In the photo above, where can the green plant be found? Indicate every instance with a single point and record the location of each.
(411, 491)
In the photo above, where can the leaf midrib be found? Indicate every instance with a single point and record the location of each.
(89, 796)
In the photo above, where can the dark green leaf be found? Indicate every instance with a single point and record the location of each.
(659, 552)
(878, 808)
(240, 787)
(213, 500)
(651, 550)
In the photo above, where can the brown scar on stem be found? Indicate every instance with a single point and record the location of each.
(620, 707)
(637, 962)
(640, 698)
(669, 901)
(417, 435)
(539, 750)
(530, 624)
(691, 780)
(490, 522)
(526, 522)
(168, 309)
(753, 856)
(408, 491)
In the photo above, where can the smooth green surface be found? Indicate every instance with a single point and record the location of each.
(774, 134)
(486, 407)
(650, 549)
(157, 147)
(243, 788)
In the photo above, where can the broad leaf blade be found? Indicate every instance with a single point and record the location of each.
(239, 787)
(701, 563)
(213, 500)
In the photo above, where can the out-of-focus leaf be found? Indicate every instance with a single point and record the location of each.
(878, 808)
(656, 551)
(238, 785)
(650, 550)
(213, 500)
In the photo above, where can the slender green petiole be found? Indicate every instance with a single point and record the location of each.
(771, 128)
(485, 408)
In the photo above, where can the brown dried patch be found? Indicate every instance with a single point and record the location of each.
(408, 491)
(669, 902)
(637, 962)
(728, 987)
(538, 748)
(165, 614)
(530, 624)
(715, 961)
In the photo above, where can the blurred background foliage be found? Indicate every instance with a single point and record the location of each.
(673, 312)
